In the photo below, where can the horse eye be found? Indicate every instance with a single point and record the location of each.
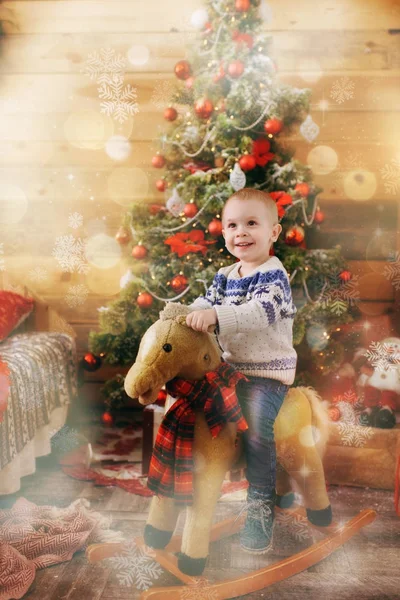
(167, 347)
(206, 357)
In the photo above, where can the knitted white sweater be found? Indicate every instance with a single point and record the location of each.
(255, 319)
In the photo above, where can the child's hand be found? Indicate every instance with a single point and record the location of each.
(200, 320)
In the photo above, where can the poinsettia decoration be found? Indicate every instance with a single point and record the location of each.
(193, 241)
(199, 166)
(261, 151)
(282, 199)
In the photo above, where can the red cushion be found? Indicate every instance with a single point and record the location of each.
(14, 309)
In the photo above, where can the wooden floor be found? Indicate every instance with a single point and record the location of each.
(366, 568)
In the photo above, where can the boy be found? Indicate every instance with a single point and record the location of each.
(251, 304)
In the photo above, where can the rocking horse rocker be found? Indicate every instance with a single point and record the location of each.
(199, 441)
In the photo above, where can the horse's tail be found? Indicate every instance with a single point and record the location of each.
(320, 418)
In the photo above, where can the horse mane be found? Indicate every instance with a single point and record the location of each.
(172, 310)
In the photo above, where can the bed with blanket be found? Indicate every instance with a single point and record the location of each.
(39, 361)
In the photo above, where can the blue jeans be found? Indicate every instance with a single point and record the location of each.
(261, 399)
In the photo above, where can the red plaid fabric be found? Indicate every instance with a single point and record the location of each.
(171, 466)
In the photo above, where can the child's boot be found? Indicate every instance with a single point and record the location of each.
(256, 536)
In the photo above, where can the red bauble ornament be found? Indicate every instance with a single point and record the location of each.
(170, 114)
(303, 189)
(122, 236)
(215, 227)
(139, 252)
(161, 398)
(334, 413)
(242, 5)
(154, 209)
(178, 283)
(247, 162)
(190, 210)
(243, 38)
(182, 69)
(273, 126)
(345, 276)
(235, 69)
(107, 419)
(319, 217)
(158, 161)
(91, 362)
(203, 108)
(295, 235)
(144, 300)
(161, 185)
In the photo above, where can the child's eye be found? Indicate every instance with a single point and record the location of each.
(231, 225)
(250, 222)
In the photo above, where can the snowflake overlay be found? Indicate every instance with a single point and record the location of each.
(290, 530)
(392, 271)
(70, 253)
(342, 90)
(75, 220)
(135, 566)
(2, 264)
(391, 176)
(76, 295)
(351, 433)
(348, 397)
(337, 294)
(381, 356)
(201, 590)
(38, 274)
(108, 70)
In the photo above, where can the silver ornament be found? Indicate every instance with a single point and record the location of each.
(308, 129)
(175, 204)
(237, 178)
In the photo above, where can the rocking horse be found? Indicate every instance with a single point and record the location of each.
(168, 350)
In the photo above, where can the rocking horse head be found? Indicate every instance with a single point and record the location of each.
(169, 349)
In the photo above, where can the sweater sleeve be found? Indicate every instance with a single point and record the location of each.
(270, 302)
(204, 302)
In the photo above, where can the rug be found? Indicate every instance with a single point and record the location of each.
(33, 537)
(115, 459)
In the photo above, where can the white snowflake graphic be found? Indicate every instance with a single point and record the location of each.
(292, 526)
(107, 68)
(201, 590)
(75, 220)
(342, 90)
(162, 94)
(76, 295)
(100, 66)
(381, 356)
(70, 253)
(351, 433)
(391, 176)
(119, 99)
(38, 274)
(392, 271)
(135, 566)
(336, 294)
(348, 397)
(2, 263)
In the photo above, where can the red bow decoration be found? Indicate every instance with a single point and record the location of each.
(193, 167)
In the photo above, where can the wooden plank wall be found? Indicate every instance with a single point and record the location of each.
(53, 161)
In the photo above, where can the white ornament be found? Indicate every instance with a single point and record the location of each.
(118, 147)
(237, 178)
(175, 204)
(309, 129)
(129, 277)
(199, 18)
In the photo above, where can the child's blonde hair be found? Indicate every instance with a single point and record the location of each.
(252, 194)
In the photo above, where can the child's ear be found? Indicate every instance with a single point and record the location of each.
(276, 231)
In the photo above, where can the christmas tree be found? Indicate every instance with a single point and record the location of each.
(229, 120)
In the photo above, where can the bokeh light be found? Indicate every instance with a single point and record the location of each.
(88, 129)
(360, 185)
(127, 185)
(322, 160)
(102, 251)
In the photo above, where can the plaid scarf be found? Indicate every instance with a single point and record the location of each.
(171, 466)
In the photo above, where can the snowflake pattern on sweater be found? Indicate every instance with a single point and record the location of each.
(255, 319)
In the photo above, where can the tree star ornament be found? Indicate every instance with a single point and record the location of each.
(237, 178)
